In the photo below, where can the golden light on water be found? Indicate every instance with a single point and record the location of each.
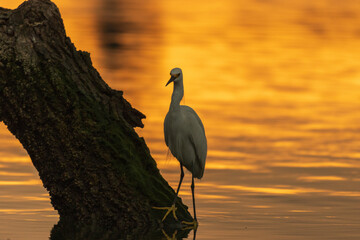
(10, 158)
(24, 211)
(283, 190)
(301, 211)
(15, 198)
(259, 206)
(21, 183)
(15, 174)
(315, 164)
(321, 178)
(276, 84)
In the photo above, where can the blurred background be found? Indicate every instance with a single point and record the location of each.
(276, 83)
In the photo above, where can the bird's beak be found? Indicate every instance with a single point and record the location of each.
(171, 80)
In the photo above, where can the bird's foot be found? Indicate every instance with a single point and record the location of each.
(168, 237)
(169, 210)
(190, 225)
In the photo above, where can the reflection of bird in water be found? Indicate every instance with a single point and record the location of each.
(185, 137)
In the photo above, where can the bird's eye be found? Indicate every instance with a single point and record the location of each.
(175, 75)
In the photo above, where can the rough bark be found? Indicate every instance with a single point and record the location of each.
(76, 129)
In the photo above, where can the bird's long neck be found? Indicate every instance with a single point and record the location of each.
(177, 95)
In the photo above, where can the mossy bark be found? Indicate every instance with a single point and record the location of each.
(76, 129)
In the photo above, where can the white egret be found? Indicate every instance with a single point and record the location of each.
(185, 137)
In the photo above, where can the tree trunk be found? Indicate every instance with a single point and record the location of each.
(76, 129)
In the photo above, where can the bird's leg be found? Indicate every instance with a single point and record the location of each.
(173, 208)
(193, 196)
(193, 224)
(181, 179)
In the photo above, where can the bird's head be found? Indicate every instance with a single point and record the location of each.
(176, 75)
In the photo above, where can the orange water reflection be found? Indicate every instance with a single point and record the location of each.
(276, 84)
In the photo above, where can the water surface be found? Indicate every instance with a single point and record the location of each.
(276, 84)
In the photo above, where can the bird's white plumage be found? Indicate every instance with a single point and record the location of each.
(184, 131)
